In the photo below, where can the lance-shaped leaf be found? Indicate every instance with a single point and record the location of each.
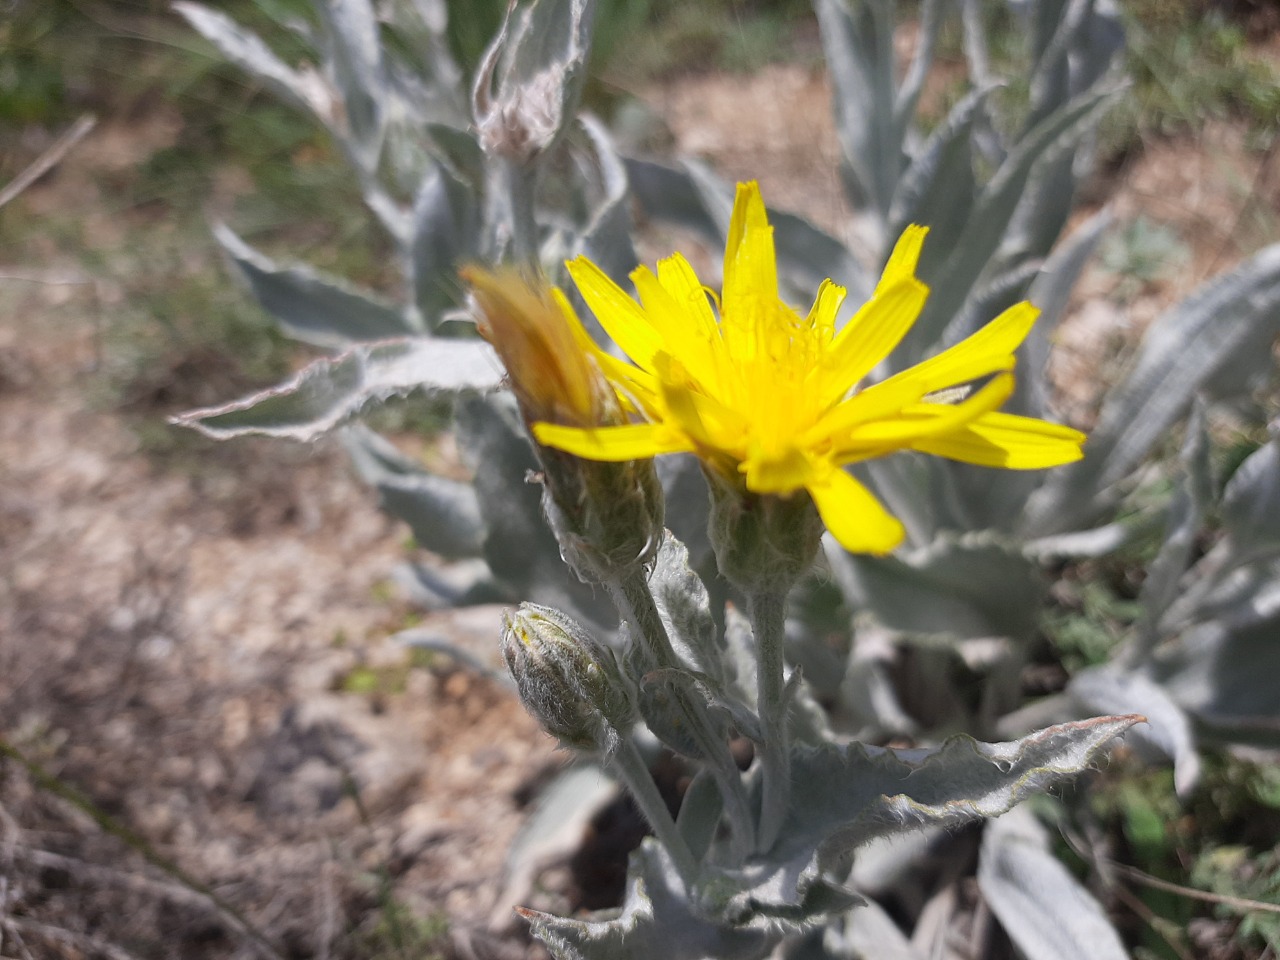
(1190, 500)
(857, 39)
(685, 608)
(443, 514)
(846, 796)
(355, 51)
(309, 306)
(1113, 688)
(1043, 908)
(1186, 345)
(1251, 505)
(972, 586)
(446, 228)
(329, 392)
(305, 89)
(995, 208)
(606, 241)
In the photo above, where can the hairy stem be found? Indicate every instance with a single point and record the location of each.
(768, 621)
(634, 772)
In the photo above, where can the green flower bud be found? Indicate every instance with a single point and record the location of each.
(567, 679)
(762, 541)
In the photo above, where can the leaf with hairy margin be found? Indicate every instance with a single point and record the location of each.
(330, 392)
(1184, 347)
(303, 88)
(1044, 909)
(657, 919)
(310, 306)
(443, 514)
(846, 796)
(606, 241)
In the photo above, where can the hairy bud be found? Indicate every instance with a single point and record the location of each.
(567, 679)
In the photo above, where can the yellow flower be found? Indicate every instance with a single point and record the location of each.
(774, 399)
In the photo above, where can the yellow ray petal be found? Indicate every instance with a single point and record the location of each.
(855, 517)
(873, 332)
(1008, 441)
(928, 419)
(905, 257)
(633, 441)
(982, 353)
(750, 265)
(622, 318)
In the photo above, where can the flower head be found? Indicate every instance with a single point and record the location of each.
(775, 402)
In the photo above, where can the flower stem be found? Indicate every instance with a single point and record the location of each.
(634, 600)
(634, 772)
(768, 622)
(632, 597)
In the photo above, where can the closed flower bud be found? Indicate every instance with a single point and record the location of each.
(607, 516)
(567, 679)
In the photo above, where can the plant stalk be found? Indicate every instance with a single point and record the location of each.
(634, 772)
(768, 623)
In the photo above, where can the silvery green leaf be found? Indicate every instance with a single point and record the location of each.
(561, 817)
(1051, 292)
(446, 229)
(356, 52)
(988, 300)
(741, 659)
(904, 107)
(970, 586)
(671, 195)
(303, 88)
(657, 919)
(1190, 499)
(1044, 909)
(329, 392)
(1251, 505)
(991, 216)
(443, 514)
(467, 583)
(857, 38)
(938, 188)
(1186, 345)
(818, 633)
(867, 932)
(459, 150)
(551, 42)
(1112, 688)
(519, 546)
(309, 306)
(687, 505)
(1223, 671)
(846, 796)
(1081, 544)
(700, 812)
(685, 608)
(606, 241)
